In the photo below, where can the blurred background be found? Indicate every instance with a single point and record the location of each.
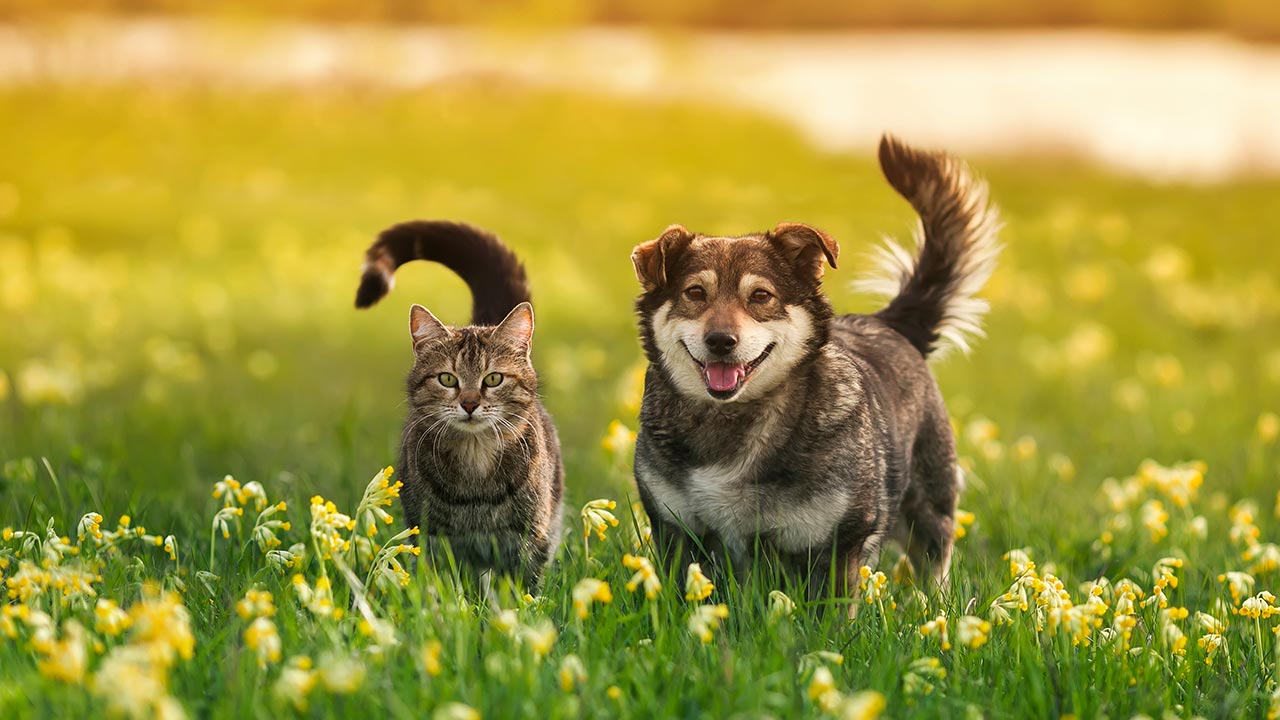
(187, 189)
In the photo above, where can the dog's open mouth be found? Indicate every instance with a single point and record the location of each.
(724, 379)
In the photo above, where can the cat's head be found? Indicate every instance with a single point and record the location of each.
(472, 379)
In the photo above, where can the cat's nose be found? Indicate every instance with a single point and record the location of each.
(469, 405)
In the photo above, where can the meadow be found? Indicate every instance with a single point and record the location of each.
(191, 413)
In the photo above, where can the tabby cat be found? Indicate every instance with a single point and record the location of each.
(480, 457)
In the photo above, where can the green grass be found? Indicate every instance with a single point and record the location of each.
(179, 266)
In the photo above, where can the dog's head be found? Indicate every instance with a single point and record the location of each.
(727, 318)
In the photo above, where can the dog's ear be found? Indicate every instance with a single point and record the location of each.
(651, 259)
(805, 246)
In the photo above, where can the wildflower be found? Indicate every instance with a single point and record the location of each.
(109, 619)
(341, 674)
(455, 711)
(1179, 482)
(255, 492)
(256, 603)
(160, 621)
(506, 622)
(964, 519)
(66, 659)
(644, 575)
(1268, 427)
(920, 674)
(613, 692)
(972, 632)
(261, 637)
(1210, 642)
(133, 685)
(572, 672)
(620, 441)
(283, 560)
(1020, 562)
(1024, 448)
(223, 519)
(1062, 466)
(872, 585)
(539, 638)
(1123, 626)
(431, 657)
(1260, 606)
(780, 605)
(697, 587)
(864, 705)
(1154, 518)
(90, 526)
(587, 591)
(937, 626)
(266, 526)
(171, 547)
(1173, 636)
(1210, 624)
(228, 490)
(596, 517)
(318, 600)
(823, 691)
(327, 525)
(378, 494)
(1243, 532)
(705, 619)
(296, 682)
(1265, 558)
(1198, 528)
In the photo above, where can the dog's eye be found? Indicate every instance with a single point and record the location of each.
(493, 379)
(448, 379)
(696, 293)
(761, 296)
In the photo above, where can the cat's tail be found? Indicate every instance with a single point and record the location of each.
(488, 266)
(932, 287)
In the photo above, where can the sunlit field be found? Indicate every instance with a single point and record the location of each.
(185, 387)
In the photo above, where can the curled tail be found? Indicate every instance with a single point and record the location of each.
(932, 289)
(489, 268)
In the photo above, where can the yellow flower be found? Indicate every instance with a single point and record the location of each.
(587, 591)
(1260, 606)
(705, 619)
(1024, 448)
(697, 587)
(780, 605)
(572, 672)
(228, 489)
(937, 626)
(619, 441)
(506, 622)
(261, 637)
(256, 603)
(66, 659)
(378, 494)
(134, 685)
(823, 691)
(972, 632)
(341, 674)
(1154, 518)
(613, 692)
(872, 585)
(90, 526)
(964, 519)
(596, 517)
(109, 619)
(1238, 583)
(161, 621)
(171, 547)
(431, 657)
(920, 674)
(644, 575)
(864, 705)
(1062, 466)
(296, 682)
(539, 638)
(1210, 642)
(1268, 427)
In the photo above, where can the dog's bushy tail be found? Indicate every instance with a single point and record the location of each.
(932, 289)
(488, 266)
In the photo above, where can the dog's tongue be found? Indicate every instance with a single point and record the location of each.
(724, 376)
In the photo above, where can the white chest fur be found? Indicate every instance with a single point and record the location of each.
(731, 499)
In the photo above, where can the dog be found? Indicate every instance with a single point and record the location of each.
(769, 422)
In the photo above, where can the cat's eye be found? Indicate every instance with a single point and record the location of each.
(493, 379)
(448, 379)
(761, 296)
(696, 293)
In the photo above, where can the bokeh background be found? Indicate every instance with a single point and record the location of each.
(186, 192)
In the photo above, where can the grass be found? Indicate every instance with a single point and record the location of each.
(176, 276)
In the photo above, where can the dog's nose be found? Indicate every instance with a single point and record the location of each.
(720, 343)
(469, 405)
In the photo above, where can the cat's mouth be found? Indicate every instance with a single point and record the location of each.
(723, 379)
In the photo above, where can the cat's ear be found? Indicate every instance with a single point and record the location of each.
(425, 327)
(517, 328)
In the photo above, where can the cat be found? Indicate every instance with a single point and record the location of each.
(480, 457)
